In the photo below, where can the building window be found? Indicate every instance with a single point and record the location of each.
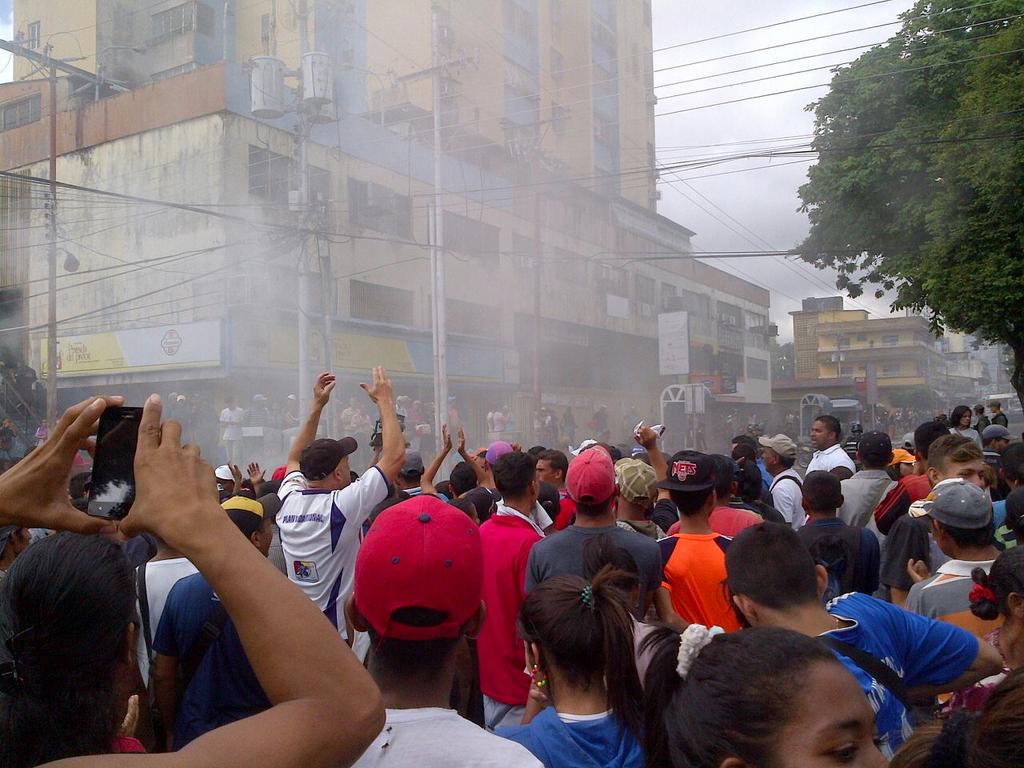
(844, 342)
(187, 17)
(265, 34)
(519, 21)
(269, 174)
(381, 303)
(20, 112)
(469, 319)
(891, 341)
(757, 368)
(891, 370)
(471, 237)
(846, 370)
(645, 289)
(32, 41)
(376, 207)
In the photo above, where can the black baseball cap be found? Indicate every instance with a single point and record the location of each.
(689, 471)
(875, 445)
(321, 457)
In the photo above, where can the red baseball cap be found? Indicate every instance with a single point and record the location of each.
(421, 553)
(279, 473)
(591, 477)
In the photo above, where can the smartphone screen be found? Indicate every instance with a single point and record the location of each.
(113, 469)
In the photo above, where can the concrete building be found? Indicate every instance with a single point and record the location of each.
(189, 283)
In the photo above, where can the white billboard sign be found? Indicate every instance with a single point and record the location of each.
(674, 343)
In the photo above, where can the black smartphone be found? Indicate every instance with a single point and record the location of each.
(113, 469)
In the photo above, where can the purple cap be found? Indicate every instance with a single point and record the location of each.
(496, 451)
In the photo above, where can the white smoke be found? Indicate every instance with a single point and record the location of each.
(115, 492)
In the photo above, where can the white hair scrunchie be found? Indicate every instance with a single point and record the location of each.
(691, 643)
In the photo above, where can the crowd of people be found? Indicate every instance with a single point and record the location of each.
(606, 606)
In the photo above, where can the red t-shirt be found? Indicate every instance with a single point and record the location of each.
(897, 502)
(506, 543)
(566, 511)
(726, 521)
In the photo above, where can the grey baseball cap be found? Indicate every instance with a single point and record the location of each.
(413, 466)
(994, 432)
(959, 505)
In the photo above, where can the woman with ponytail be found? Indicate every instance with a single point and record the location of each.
(760, 698)
(579, 647)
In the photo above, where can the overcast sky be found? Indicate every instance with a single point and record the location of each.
(753, 209)
(763, 203)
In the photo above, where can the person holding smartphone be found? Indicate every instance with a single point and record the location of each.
(67, 612)
(323, 510)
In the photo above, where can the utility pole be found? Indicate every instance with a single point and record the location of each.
(51, 317)
(538, 255)
(305, 377)
(438, 314)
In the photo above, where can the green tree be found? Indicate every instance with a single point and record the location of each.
(783, 360)
(919, 187)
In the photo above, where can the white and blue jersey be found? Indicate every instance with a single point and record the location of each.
(320, 535)
(922, 651)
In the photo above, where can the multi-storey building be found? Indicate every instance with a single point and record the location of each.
(200, 296)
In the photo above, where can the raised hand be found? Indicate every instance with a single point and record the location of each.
(322, 388)
(446, 439)
(34, 494)
(255, 474)
(647, 437)
(462, 441)
(380, 389)
(236, 473)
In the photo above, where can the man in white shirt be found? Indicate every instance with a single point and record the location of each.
(418, 587)
(829, 456)
(786, 490)
(153, 582)
(231, 422)
(323, 511)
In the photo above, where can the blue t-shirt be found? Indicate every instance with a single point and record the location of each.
(224, 688)
(999, 513)
(584, 742)
(766, 476)
(922, 651)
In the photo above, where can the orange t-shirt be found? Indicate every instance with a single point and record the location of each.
(693, 572)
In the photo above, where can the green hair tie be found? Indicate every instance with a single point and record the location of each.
(587, 597)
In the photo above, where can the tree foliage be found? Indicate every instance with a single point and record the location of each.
(919, 187)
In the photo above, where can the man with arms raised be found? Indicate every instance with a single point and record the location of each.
(322, 511)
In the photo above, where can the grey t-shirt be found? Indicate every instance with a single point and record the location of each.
(561, 554)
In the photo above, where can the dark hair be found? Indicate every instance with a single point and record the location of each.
(741, 691)
(465, 505)
(599, 551)
(957, 414)
(926, 434)
(247, 522)
(999, 730)
(397, 498)
(537, 450)
(593, 510)
(483, 500)
(745, 440)
(953, 449)
(823, 491)
(744, 452)
(769, 564)
(831, 424)
(548, 498)
(724, 477)
(585, 630)
(937, 745)
(786, 462)
(66, 604)
(751, 482)
(513, 474)
(270, 486)
(462, 478)
(444, 488)
(1013, 462)
(411, 658)
(689, 503)
(1004, 578)
(970, 537)
(1014, 507)
(557, 460)
(77, 485)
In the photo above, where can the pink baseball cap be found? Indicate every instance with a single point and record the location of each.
(497, 450)
(591, 477)
(420, 553)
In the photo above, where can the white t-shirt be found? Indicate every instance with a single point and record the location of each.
(320, 535)
(831, 458)
(231, 420)
(788, 496)
(438, 738)
(161, 575)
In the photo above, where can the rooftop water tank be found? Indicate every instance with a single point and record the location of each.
(317, 79)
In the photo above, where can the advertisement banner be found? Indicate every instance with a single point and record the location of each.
(189, 345)
(674, 343)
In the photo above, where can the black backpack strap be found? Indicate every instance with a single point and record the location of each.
(878, 669)
(207, 636)
(143, 595)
